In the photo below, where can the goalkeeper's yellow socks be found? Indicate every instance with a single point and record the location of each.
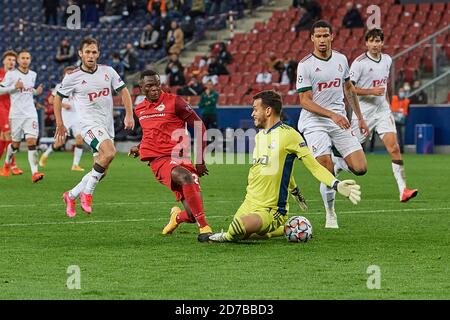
(236, 230)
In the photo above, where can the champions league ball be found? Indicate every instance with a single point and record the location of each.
(298, 229)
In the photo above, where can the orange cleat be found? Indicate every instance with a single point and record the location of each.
(16, 171)
(6, 170)
(37, 177)
(408, 194)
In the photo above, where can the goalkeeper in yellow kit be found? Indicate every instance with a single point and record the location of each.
(265, 208)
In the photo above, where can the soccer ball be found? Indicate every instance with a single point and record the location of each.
(298, 229)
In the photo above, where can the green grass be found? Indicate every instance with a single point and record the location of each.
(122, 255)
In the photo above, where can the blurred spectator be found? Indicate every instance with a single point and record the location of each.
(90, 11)
(175, 39)
(275, 64)
(181, 7)
(65, 52)
(193, 88)
(208, 106)
(264, 77)
(352, 18)
(216, 7)
(51, 11)
(187, 25)
(118, 65)
(215, 69)
(156, 8)
(223, 56)
(420, 97)
(291, 70)
(150, 38)
(399, 108)
(113, 11)
(312, 12)
(175, 71)
(129, 58)
(197, 8)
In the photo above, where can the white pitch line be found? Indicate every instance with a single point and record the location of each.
(209, 217)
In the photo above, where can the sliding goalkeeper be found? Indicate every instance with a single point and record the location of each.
(265, 208)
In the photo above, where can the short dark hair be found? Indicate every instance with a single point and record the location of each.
(23, 51)
(321, 24)
(88, 41)
(270, 98)
(149, 73)
(9, 53)
(374, 33)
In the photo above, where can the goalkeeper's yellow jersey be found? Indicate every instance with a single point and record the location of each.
(273, 161)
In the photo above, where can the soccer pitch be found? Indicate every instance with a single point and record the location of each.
(122, 255)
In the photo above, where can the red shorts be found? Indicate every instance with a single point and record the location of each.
(162, 169)
(4, 120)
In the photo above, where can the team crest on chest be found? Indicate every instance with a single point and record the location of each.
(161, 107)
(106, 77)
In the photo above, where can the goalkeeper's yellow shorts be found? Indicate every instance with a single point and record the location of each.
(271, 218)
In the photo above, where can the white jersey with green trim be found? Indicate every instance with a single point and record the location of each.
(326, 80)
(365, 73)
(92, 95)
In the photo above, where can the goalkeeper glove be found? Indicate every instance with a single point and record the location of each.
(299, 198)
(349, 189)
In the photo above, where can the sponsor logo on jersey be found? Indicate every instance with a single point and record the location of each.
(262, 160)
(326, 85)
(91, 134)
(378, 83)
(340, 68)
(95, 95)
(300, 79)
(161, 107)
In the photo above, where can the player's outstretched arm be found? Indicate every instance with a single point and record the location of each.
(60, 132)
(126, 100)
(347, 188)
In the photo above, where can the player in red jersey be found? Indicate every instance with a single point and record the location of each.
(163, 118)
(9, 62)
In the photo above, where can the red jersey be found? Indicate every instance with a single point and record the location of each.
(164, 126)
(5, 103)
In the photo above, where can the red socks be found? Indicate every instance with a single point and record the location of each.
(3, 146)
(191, 193)
(184, 217)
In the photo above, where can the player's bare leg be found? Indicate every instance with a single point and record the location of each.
(106, 154)
(391, 144)
(328, 194)
(191, 192)
(77, 153)
(32, 160)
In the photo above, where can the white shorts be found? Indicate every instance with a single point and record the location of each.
(380, 122)
(28, 127)
(95, 136)
(321, 141)
(72, 124)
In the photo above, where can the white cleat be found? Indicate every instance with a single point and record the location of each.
(331, 221)
(218, 237)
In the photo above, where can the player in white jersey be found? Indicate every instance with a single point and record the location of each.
(20, 83)
(370, 73)
(322, 79)
(73, 126)
(91, 88)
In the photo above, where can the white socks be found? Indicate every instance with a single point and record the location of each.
(75, 192)
(49, 150)
(9, 154)
(93, 180)
(33, 161)
(77, 153)
(399, 175)
(328, 196)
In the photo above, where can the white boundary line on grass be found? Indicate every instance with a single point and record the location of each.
(209, 217)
